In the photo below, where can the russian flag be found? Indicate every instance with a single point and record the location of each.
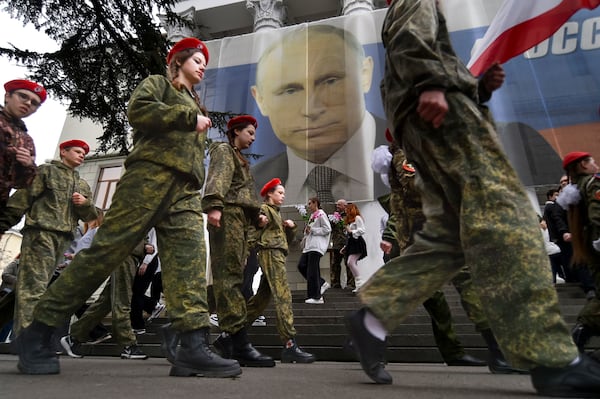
(520, 25)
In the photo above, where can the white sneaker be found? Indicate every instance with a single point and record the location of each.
(156, 312)
(560, 280)
(324, 287)
(259, 322)
(214, 320)
(313, 301)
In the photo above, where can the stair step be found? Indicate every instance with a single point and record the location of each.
(321, 329)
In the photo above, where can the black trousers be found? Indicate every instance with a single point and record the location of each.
(139, 301)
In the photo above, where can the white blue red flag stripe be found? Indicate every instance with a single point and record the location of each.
(520, 25)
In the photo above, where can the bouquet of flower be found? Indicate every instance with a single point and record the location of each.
(302, 211)
(336, 219)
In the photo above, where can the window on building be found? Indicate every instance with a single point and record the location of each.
(107, 183)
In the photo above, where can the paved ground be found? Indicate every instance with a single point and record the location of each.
(109, 377)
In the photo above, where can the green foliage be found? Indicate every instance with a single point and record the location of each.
(106, 48)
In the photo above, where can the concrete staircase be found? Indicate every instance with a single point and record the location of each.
(321, 329)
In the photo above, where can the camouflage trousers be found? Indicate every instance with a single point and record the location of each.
(274, 284)
(41, 251)
(443, 329)
(478, 214)
(115, 298)
(228, 254)
(148, 195)
(335, 270)
(590, 314)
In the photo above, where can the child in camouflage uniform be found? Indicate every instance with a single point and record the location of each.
(17, 150)
(232, 207)
(272, 250)
(160, 188)
(54, 203)
(584, 223)
(477, 213)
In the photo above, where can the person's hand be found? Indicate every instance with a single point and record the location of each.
(343, 250)
(567, 237)
(23, 156)
(289, 223)
(214, 217)
(493, 78)
(142, 269)
(69, 255)
(433, 107)
(262, 220)
(385, 246)
(78, 199)
(202, 123)
(148, 249)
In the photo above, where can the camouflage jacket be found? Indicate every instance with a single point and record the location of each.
(274, 235)
(406, 214)
(164, 128)
(13, 133)
(418, 29)
(47, 203)
(589, 187)
(229, 182)
(338, 234)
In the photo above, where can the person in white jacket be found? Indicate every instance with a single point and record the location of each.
(315, 243)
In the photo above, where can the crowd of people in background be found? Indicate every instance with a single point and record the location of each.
(446, 224)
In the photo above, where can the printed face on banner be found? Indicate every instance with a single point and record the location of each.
(311, 86)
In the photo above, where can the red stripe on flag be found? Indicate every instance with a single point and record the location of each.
(521, 37)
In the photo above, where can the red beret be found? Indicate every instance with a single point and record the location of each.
(239, 120)
(75, 143)
(270, 186)
(186, 44)
(22, 84)
(573, 157)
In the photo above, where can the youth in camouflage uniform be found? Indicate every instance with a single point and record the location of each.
(338, 240)
(272, 244)
(476, 210)
(115, 299)
(54, 203)
(160, 189)
(405, 218)
(17, 150)
(584, 223)
(232, 207)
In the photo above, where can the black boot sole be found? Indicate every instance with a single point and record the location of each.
(180, 371)
(255, 363)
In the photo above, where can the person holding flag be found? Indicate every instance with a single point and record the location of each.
(476, 211)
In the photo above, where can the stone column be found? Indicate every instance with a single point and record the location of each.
(356, 6)
(175, 32)
(268, 14)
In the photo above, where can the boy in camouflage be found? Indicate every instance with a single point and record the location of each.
(17, 150)
(272, 244)
(476, 210)
(54, 203)
(584, 223)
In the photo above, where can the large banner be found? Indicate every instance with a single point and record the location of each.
(314, 89)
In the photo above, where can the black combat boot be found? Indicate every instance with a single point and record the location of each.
(580, 379)
(246, 354)
(224, 346)
(581, 335)
(292, 353)
(497, 362)
(369, 349)
(168, 341)
(196, 359)
(36, 354)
